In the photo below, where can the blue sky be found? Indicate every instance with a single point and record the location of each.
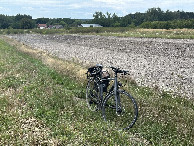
(83, 9)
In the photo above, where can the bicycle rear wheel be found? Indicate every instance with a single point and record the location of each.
(126, 115)
(92, 95)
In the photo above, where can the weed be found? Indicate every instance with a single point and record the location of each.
(112, 31)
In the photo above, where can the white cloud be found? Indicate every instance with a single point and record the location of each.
(85, 8)
(32, 3)
(80, 5)
(111, 2)
(3, 9)
(28, 8)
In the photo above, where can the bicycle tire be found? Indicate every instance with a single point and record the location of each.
(92, 95)
(127, 115)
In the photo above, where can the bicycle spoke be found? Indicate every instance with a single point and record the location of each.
(92, 98)
(126, 114)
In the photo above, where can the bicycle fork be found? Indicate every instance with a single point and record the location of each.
(101, 96)
(117, 98)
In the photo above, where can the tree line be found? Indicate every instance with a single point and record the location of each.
(26, 22)
(153, 18)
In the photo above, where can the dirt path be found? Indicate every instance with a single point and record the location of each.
(166, 63)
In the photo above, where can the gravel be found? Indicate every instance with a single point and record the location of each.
(164, 63)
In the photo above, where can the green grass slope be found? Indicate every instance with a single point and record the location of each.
(41, 106)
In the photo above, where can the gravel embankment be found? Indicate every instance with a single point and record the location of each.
(166, 63)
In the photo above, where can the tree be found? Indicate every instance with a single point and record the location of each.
(23, 22)
(132, 25)
(19, 17)
(42, 20)
(139, 18)
(26, 23)
(107, 20)
(99, 18)
(154, 14)
(169, 15)
(116, 24)
(63, 24)
(3, 22)
(76, 23)
(125, 21)
(16, 25)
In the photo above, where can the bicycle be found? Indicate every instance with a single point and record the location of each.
(118, 106)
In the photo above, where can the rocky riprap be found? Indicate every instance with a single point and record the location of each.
(164, 63)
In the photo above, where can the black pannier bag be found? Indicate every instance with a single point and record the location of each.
(105, 83)
(94, 71)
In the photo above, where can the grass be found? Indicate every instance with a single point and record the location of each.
(42, 105)
(113, 31)
(153, 33)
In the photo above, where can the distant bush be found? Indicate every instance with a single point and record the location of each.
(175, 24)
(39, 31)
(13, 31)
(99, 29)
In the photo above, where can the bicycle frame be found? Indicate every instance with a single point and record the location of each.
(114, 88)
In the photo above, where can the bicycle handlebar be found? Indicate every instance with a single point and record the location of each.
(96, 70)
(118, 70)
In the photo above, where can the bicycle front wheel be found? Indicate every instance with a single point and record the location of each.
(92, 95)
(123, 117)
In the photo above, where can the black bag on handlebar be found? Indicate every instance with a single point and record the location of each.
(94, 71)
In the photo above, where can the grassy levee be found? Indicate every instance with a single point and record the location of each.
(137, 32)
(112, 31)
(43, 104)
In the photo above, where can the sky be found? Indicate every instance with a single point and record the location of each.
(84, 9)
